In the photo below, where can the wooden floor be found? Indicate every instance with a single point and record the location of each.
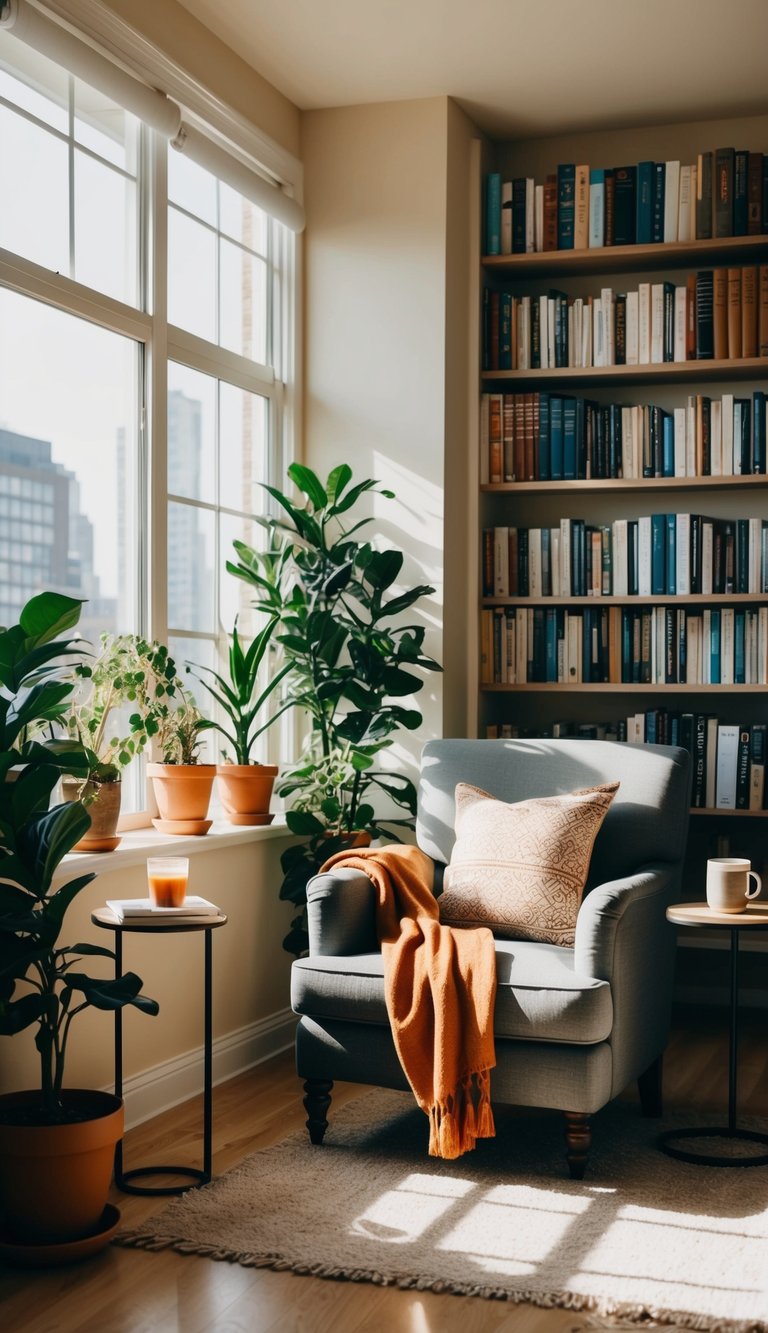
(129, 1291)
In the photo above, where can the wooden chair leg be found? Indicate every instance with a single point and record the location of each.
(578, 1137)
(316, 1103)
(649, 1087)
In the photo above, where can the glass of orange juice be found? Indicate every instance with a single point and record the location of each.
(167, 878)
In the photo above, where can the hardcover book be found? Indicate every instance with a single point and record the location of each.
(566, 202)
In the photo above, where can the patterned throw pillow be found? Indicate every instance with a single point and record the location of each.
(521, 869)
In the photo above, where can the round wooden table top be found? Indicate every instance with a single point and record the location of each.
(699, 914)
(105, 917)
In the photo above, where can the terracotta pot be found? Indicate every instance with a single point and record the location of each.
(246, 791)
(183, 794)
(352, 840)
(55, 1179)
(104, 811)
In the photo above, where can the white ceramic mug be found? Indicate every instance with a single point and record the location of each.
(728, 883)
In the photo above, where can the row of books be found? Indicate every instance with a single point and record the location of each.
(662, 645)
(578, 207)
(728, 759)
(554, 437)
(654, 555)
(718, 314)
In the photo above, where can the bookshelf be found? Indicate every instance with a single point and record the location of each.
(536, 707)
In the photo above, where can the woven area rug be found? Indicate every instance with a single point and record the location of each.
(642, 1239)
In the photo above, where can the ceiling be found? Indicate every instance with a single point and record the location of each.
(532, 67)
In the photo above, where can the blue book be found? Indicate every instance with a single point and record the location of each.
(657, 213)
(556, 438)
(566, 204)
(493, 213)
(671, 521)
(581, 438)
(545, 457)
(505, 331)
(758, 432)
(650, 726)
(658, 554)
(569, 439)
(668, 446)
(596, 236)
(550, 658)
(645, 174)
(714, 647)
(739, 647)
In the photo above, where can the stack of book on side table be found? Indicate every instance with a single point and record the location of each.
(142, 911)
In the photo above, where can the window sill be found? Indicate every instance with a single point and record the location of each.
(137, 844)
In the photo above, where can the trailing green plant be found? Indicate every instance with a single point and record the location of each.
(130, 672)
(240, 698)
(350, 661)
(35, 690)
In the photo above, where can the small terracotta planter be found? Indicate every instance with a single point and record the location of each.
(183, 794)
(246, 791)
(102, 836)
(55, 1179)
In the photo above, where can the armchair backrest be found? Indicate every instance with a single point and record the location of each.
(647, 820)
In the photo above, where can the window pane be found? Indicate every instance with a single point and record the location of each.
(105, 229)
(243, 449)
(191, 187)
(191, 565)
(34, 211)
(243, 302)
(236, 597)
(70, 442)
(33, 82)
(105, 127)
(191, 433)
(242, 220)
(191, 276)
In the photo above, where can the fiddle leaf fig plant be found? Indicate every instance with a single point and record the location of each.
(41, 983)
(352, 660)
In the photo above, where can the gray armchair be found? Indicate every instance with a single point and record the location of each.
(573, 1026)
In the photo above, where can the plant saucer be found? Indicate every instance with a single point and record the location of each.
(250, 820)
(191, 828)
(96, 844)
(51, 1254)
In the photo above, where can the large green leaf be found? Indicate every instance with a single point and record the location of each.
(49, 615)
(337, 480)
(383, 568)
(21, 1013)
(104, 993)
(309, 484)
(47, 838)
(302, 822)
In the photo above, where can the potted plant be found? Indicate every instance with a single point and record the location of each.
(120, 702)
(181, 784)
(56, 1144)
(245, 785)
(350, 663)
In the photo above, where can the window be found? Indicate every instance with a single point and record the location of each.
(95, 470)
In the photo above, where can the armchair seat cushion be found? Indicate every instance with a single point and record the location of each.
(539, 995)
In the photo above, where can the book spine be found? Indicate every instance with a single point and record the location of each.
(566, 190)
(644, 202)
(740, 190)
(581, 208)
(705, 335)
(624, 205)
(754, 194)
(518, 216)
(704, 197)
(734, 313)
(550, 212)
(506, 218)
(596, 208)
(723, 192)
(493, 213)
(657, 213)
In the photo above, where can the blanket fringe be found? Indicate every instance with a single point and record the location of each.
(457, 1124)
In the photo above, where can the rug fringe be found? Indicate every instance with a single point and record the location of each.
(638, 1316)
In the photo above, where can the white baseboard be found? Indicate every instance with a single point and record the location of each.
(174, 1081)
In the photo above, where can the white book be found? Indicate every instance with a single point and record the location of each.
(692, 220)
(501, 562)
(578, 333)
(727, 763)
(572, 357)
(547, 360)
(710, 769)
(684, 205)
(679, 420)
(683, 555)
(681, 294)
(596, 214)
(608, 311)
(660, 647)
(671, 200)
(524, 334)
(715, 438)
(627, 447)
(554, 560)
(736, 438)
(506, 218)
(565, 557)
(598, 350)
(726, 434)
(707, 550)
(727, 643)
(632, 329)
(535, 588)
(644, 555)
(139, 909)
(644, 324)
(586, 337)
(530, 226)
(574, 630)
(620, 562)
(755, 555)
(657, 323)
(690, 436)
(538, 218)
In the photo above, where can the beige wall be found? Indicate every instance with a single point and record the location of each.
(250, 969)
(216, 66)
(383, 390)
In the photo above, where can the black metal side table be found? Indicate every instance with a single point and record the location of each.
(104, 917)
(754, 917)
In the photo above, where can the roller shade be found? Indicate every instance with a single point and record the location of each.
(148, 105)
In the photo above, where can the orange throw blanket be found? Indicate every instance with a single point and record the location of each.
(440, 985)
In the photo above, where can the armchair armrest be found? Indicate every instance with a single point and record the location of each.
(341, 913)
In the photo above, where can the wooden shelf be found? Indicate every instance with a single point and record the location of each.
(603, 687)
(730, 814)
(629, 258)
(583, 485)
(662, 599)
(743, 368)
